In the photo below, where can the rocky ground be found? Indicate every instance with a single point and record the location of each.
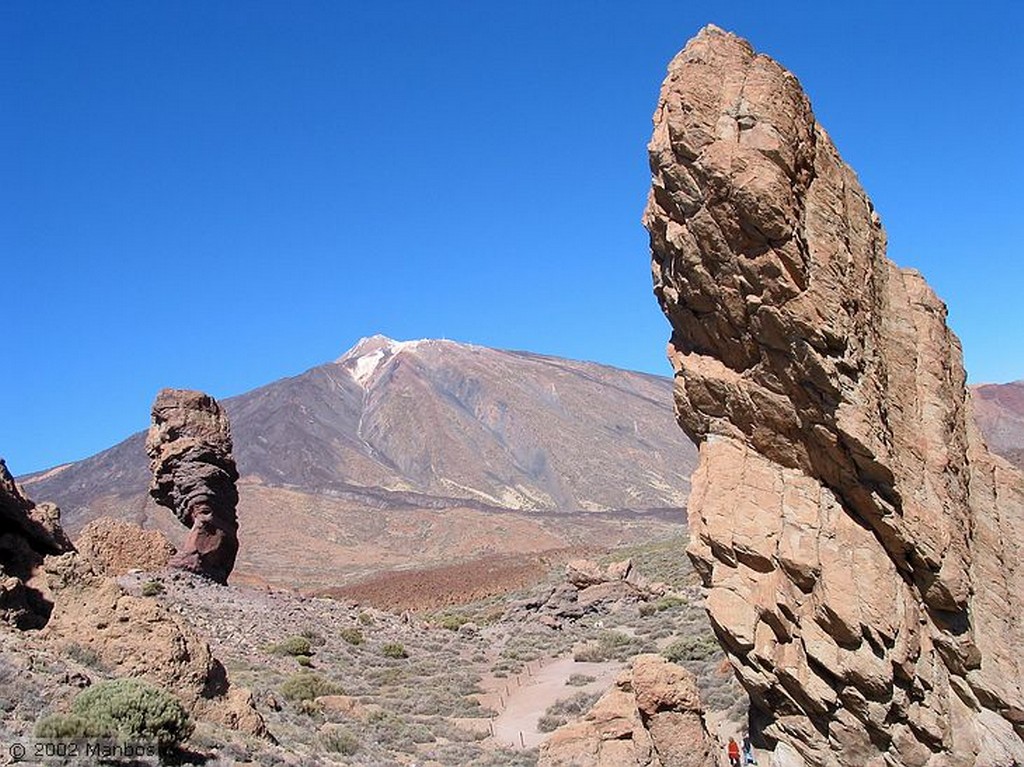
(347, 683)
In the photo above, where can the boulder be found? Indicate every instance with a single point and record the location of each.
(114, 546)
(652, 717)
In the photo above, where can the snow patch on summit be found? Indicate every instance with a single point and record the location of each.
(365, 366)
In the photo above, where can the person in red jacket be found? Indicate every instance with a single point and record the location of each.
(733, 750)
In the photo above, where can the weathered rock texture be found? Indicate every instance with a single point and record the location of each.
(860, 544)
(652, 717)
(28, 533)
(114, 547)
(194, 475)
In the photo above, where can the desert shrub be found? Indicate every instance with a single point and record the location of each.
(647, 609)
(67, 727)
(351, 635)
(131, 709)
(339, 740)
(691, 648)
(152, 588)
(561, 711)
(84, 655)
(295, 645)
(609, 645)
(365, 618)
(452, 622)
(668, 602)
(393, 650)
(306, 685)
(580, 680)
(315, 639)
(304, 660)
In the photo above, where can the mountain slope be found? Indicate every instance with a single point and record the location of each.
(350, 461)
(999, 413)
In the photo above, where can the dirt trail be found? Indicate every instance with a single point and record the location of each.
(522, 699)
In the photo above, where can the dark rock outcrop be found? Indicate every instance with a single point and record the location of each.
(28, 533)
(859, 542)
(194, 475)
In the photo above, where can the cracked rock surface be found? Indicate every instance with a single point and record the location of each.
(860, 543)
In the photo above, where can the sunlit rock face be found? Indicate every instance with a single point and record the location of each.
(860, 544)
(194, 474)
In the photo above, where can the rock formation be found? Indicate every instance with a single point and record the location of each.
(860, 544)
(651, 718)
(114, 547)
(194, 475)
(28, 533)
(136, 636)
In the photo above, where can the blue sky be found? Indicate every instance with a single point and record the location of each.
(217, 194)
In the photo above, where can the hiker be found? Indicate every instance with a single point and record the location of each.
(733, 750)
(748, 751)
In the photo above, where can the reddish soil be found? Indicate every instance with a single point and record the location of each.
(435, 587)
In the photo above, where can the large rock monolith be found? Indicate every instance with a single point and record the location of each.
(194, 475)
(860, 544)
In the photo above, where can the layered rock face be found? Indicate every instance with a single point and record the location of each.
(28, 533)
(194, 475)
(860, 544)
(651, 718)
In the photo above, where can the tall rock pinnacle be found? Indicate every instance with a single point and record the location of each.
(194, 475)
(859, 542)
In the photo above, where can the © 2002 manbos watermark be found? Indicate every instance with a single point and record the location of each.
(34, 751)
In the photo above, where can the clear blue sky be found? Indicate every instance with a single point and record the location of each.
(218, 194)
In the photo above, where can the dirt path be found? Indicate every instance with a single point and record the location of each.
(522, 699)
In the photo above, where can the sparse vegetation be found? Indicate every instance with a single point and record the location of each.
(84, 655)
(351, 635)
(295, 645)
(609, 645)
(700, 647)
(393, 650)
(307, 685)
(338, 740)
(561, 711)
(152, 588)
(580, 680)
(452, 622)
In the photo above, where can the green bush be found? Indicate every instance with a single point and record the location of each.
(296, 645)
(393, 650)
(128, 709)
(691, 648)
(67, 727)
(304, 660)
(339, 740)
(351, 635)
(452, 622)
(365, 618)
(305, 685)
(152, 588)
